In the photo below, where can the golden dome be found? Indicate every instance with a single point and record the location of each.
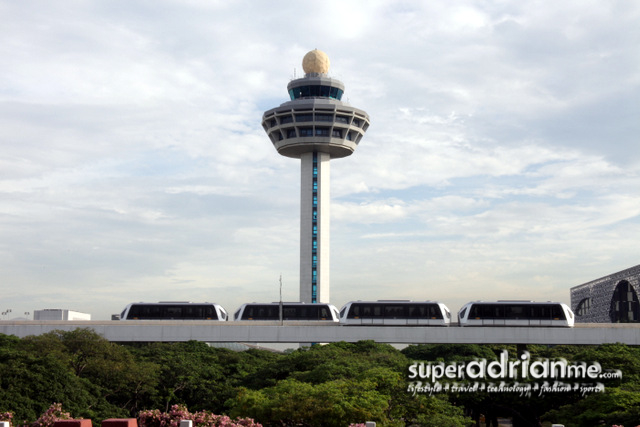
(315, 61)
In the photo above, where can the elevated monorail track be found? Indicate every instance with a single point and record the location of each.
(295, 332)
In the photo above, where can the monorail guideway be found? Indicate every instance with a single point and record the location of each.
(295, 332)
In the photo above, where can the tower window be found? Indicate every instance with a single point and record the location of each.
(322, 131)
(324, 117)
(286, 119)
(315, 91)
(304, 117)
(336, 133)
(291, 133)
(306, 132)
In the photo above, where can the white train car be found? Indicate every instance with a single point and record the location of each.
(394, 312)
(291, 311)
(174, 310)
(516, 313)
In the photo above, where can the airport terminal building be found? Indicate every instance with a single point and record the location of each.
(610, 299)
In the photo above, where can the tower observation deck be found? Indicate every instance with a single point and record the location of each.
(315, 126)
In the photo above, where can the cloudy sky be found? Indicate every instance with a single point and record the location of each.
(502, 161)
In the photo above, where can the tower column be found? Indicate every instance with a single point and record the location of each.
(315, 208)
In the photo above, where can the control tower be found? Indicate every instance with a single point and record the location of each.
(315, 126)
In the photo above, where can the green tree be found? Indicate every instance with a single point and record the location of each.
(31, 381)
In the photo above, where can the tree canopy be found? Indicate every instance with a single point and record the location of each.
(323, 385)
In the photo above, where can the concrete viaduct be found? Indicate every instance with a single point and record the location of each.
(305, 332)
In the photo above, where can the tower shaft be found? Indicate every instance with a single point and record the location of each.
(315, 208)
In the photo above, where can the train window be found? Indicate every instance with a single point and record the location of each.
(307, 313)
(487, 311)
(377, 311)
(557, 313)
(417, 311)
(354, 311)
(463, 312)
(393, 311)
(516, 312)
(210, 312)
(288, 313)
(366, 311)
(436, 313)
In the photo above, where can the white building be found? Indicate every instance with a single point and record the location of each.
(59, 314)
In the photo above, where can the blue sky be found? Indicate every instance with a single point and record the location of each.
(502, 161)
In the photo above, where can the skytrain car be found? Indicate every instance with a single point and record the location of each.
(174, 310)
(290, 311)
(394, 312)
(515, 313)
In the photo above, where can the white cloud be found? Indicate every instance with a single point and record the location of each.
(502, 156)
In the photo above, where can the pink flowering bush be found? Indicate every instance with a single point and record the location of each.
(155, 418)
(51, 415)
(6, 416)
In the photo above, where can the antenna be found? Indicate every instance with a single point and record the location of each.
(281, 322)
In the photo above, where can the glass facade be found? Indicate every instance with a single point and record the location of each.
(315, 91)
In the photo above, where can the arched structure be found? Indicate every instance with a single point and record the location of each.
(624, 304)
(610, 299)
